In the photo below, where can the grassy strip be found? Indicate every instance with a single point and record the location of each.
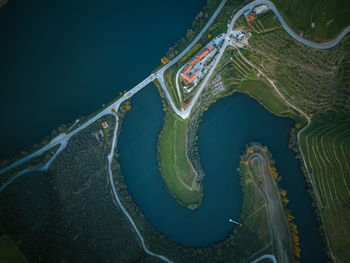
(254, 214)
(266, 96)
(266, 204)
(176, 169)
(219, 26)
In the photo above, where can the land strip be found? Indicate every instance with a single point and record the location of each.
(256, 172)
(63, 138)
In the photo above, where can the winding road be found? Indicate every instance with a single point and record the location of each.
(63, 138)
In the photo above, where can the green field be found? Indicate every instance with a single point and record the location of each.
(176, 168)
(330, 17)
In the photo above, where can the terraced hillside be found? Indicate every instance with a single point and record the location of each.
(326, 145)
(309, 78)
(318, 83)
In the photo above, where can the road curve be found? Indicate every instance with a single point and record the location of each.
(116, 197)
(319, 203)
(185, 113)
(63, 138)
(308, 43)
(271, 257)
(160, 73)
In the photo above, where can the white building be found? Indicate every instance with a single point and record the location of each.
(260, 9)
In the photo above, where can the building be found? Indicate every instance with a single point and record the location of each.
(193, 69)
(104, 125)
(210, 47)
(237, 35)
(260, 9)
(250, 17)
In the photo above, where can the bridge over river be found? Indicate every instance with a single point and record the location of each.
(63, 138)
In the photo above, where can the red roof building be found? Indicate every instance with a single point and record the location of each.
(210, 47)
(250, 17)
(194, 62)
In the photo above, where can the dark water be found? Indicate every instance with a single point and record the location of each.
(61, 60)
(227, 127)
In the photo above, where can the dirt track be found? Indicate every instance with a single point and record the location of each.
(277, 221)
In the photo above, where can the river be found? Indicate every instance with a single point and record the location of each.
(61, 60)
(226, 128)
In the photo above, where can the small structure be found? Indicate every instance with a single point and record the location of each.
(260, 9)
(235, 222)
(228, 60)
(210, 47)
(104, 125)
(101, 133)
(250, 17)
(218, 88)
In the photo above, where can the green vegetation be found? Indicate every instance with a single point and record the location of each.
(68, 212)
(239, 76)
(330, 17)
(34, 163)
(240, 245)
(264, 203)
(175, 166)
(169, 78)
(9, 252)
(198, 23)
(218, 26)
(254, 214)
(326, 146)
(263, 92)
(317, 82)
(3, 3)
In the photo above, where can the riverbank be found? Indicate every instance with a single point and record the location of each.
(3, 3)
(263, 204)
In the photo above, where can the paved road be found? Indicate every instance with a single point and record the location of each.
(271, 257)
(63, 138)
(116, 197)
(160, 73)
(186, 112)
(188, 48)
(311, 44)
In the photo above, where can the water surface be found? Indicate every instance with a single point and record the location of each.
(226, 128)
(63, 59)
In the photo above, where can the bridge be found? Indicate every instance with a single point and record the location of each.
(63, 138)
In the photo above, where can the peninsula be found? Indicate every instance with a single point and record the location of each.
(247, 48)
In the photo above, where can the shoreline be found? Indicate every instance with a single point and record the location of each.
(265, 180)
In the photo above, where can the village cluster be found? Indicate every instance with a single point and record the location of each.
(200, 64)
